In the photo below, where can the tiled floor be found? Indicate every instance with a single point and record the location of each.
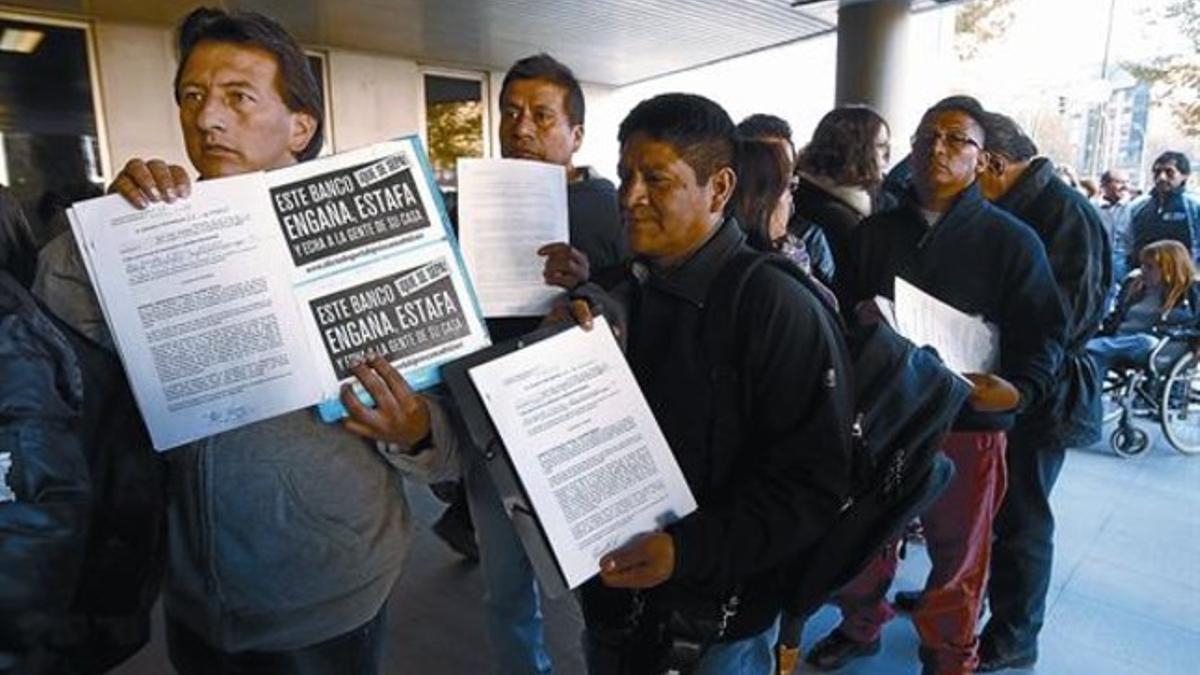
(1125, 597)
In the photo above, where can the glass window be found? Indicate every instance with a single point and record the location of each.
(455, 122)
(317, 62)
(49, 137)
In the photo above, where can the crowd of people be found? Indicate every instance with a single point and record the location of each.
(275, 546)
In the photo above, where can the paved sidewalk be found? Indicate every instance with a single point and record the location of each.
(1125, 599)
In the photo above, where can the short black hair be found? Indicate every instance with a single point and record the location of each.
(545, 67)
(699, 129)
(968, 105)
(1179, 159)
(1108, 176)
(1003, 136)
(298, 86)
(763, 126)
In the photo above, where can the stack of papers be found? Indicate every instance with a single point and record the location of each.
(965, 343)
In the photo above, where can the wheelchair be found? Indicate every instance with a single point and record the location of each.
(1165, 389)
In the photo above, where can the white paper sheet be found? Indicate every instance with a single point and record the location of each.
(193, 289)
(965, 343)
(585, 445)
(507, 209)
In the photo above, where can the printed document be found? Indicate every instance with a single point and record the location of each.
(965, 343)
(253, 297)
(585, 445)
(507, 210)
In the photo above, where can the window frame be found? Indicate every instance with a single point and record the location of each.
(322, 55)
(89, 39)
(485, 94)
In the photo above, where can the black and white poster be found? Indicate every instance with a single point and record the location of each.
(350, 208)
(397, 316)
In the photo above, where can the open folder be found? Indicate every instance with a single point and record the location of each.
(255, 296)
(579, 462)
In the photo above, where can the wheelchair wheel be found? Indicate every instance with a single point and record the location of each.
(1180, 405)
(1129, 442)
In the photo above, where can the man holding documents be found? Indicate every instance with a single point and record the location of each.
(951, 244)
(1026, 186)
(541, 119)
(762, 441)
(286, 535)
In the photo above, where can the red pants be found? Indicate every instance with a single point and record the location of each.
(958, 536)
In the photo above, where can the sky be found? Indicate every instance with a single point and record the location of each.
(1053, 48)
(1062, 41)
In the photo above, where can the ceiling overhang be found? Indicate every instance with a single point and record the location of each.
(610, 42)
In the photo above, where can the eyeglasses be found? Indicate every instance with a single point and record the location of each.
(954, 140)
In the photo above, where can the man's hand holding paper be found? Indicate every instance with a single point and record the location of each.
(400, 416)
(645, 562)
(566, 266)
(144, 182)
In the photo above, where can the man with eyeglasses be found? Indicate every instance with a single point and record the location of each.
(947, 240)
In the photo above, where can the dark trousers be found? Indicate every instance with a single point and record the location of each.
(358, 652)
(1023, 549)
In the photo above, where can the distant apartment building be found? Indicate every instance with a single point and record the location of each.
(1112, 134)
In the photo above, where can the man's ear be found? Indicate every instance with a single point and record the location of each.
(304, 125)
(721, 184)
(996, 163)
(576, 138)
(983, 163)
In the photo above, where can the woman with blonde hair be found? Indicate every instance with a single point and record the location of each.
(1159, 295)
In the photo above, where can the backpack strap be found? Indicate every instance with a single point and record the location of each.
(719, 335)
(724, 300)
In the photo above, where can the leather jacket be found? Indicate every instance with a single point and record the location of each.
(44, 485)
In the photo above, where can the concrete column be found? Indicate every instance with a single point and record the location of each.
(872, 50)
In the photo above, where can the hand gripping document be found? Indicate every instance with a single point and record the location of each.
(253, 297)
(574, 450)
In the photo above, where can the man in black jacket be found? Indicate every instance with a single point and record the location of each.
(948, 241)
(1081, 260)
(769, 475)
(81, 490)
(45, 493)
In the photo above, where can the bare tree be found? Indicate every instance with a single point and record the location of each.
(979, 22)
(1177, 77)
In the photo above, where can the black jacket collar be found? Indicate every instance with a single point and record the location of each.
(1032, 182)
(691, 280)
(966, 207)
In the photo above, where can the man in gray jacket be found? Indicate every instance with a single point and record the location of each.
(287, 535)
